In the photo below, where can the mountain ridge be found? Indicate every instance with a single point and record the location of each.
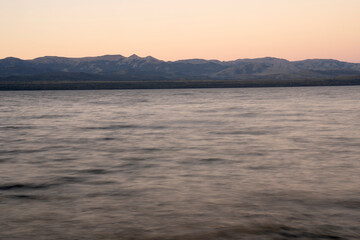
(148, 68)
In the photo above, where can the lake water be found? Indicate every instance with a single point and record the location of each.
(186, 164)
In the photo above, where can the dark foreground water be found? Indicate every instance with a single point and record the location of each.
(265, 163)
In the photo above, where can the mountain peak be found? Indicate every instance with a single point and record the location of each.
(264, 59)
(107, 57)
(50, 59)
(314, 60)
(150, 57)
(134, 56)
(11, 59)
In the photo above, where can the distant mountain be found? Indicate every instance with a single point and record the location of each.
(118, 67)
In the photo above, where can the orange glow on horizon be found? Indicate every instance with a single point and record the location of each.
(173, 30)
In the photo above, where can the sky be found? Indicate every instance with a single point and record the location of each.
(181, 29)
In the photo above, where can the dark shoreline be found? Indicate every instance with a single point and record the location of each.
(166, 84)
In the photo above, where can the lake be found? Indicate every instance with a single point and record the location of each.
(182, 164)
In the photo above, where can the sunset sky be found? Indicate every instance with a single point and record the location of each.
(181, 29)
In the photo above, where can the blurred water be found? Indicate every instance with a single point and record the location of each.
(264, 163)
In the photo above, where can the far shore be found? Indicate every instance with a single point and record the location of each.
(167, 84)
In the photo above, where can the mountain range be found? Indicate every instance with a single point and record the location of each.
(118, 67)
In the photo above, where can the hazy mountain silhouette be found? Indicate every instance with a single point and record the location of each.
(117, 67)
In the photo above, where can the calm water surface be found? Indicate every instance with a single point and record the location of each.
(265, 163)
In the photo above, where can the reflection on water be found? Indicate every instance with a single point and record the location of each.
(266, 163)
